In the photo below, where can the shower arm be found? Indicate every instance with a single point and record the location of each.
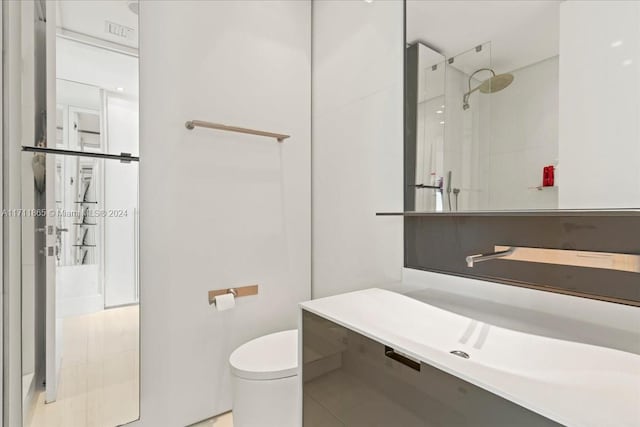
(468, 94)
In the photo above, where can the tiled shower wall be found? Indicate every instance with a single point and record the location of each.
(441, 243)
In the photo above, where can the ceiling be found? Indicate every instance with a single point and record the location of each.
(90, 17)
(521, 32)
(95, 67)
(87, 53)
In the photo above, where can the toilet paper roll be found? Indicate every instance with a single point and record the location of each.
(225, 302)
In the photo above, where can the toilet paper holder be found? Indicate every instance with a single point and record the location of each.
(238, 291)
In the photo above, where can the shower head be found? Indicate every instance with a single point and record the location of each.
(491, 85)
(496, 83)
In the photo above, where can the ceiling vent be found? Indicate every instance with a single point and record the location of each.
(118, 30)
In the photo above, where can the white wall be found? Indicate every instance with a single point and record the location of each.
(92, 65)
(599, 104)
(219, 209)
(77, 94)
(2, 204)
(120, 192)
(357, 144)
(524, 138)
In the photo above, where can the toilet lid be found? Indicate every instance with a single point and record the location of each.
(268, 357)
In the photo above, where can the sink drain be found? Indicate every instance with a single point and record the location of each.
(460, 354)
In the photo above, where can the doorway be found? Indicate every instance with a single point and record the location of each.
(72, 137)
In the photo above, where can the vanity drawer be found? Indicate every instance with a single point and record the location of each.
(351, 380)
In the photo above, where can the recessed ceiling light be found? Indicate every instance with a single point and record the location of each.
(368, 1)
(439, 112)
(120, 89)
(134, 6)
(616, 43)
(442, 122)
(627, 62)
(442, 106)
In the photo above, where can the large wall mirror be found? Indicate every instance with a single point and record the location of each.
(80, 287)
(522, 105)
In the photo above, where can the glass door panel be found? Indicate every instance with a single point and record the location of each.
(90, 331)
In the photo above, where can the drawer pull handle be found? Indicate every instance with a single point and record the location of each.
(390, 353)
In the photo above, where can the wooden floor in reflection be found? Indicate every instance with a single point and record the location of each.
(99, 374)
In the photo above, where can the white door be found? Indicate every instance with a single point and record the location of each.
(52, 328)
(52, 322)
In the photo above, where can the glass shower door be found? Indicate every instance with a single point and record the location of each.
(91, 351)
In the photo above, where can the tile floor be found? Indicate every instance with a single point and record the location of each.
(99, 374)
(224, 420)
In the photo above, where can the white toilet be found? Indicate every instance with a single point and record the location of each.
(264, 376)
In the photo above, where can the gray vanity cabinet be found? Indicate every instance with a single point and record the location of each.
(351, 380)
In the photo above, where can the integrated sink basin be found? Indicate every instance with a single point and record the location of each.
(569, 382)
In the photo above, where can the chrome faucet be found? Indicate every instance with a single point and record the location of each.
(471, 259)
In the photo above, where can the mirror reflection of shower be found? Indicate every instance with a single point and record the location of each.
(449, 166)
(467, 130)
(492, 85)
(425, 187)
(489, 152)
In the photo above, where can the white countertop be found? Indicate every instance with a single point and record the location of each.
(572, 383)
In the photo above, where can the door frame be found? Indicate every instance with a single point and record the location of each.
(12, 126)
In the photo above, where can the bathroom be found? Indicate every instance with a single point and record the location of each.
(288, 213)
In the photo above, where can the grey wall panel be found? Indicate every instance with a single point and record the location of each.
(441, 243)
